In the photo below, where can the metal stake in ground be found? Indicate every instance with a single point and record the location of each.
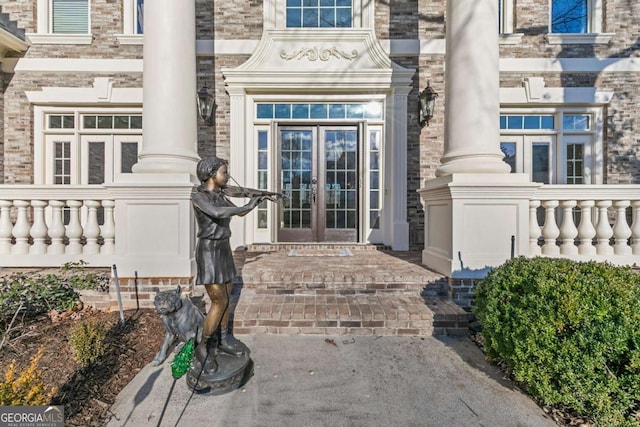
(115, 276)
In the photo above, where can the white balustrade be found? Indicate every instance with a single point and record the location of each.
(621, 229)
(109, 228)
(586, 230)
(35, 226)
(21, 228)
(57, 229)
(74, 228)
(550, 230)
(568, 229)
(39, 229)
(534, 228)
(6, 227)
(635, 228)
(91, 229)
(603, 233)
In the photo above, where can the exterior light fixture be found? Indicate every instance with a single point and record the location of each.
(207, 105)
(427, 104)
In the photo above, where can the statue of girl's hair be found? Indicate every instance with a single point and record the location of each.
(208, 167)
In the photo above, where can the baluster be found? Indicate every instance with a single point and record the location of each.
(621, 229)
(568, 229)
(56, 229)
(534, 228)
(21, 228)
(38, 229)
(91, 228)
(74, 229)
(109, 228)
(603, 229)
(550, 230)
(586, 230)
(6, 227)
(635, 228)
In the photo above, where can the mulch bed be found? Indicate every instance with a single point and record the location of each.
(87, 392)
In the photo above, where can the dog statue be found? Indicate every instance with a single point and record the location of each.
(181, 320)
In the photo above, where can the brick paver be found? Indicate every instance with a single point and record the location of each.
(370, 292)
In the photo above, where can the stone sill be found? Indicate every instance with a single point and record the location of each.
(592, 38)
(130, 39)
(511, 39)
(60, 38)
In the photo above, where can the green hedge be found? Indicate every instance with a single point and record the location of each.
(570, 331)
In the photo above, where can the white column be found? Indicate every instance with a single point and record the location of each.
(169, 123)
(237, 161)
(400, 230)
(39, 228)
(472, 101)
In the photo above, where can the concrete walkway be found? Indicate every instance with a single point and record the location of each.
(340, 381)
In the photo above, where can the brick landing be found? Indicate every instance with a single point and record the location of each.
(369, 293)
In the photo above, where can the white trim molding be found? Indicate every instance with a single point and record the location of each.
(555, 95)
(10, 42)
(101, 93)
(60, 38)
(135, 39)
(590, 38)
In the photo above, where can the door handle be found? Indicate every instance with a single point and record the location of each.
(314, 190)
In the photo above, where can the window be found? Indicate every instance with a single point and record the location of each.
(132, 26)
(505, 16)
(263, 175)
(69, 17)
(577, 22)
(371, 110)
(569, 16)
(88, 147)
(319, 13)
(62, 22)
(552, 148)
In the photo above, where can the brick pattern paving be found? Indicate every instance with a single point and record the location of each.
(369, 293)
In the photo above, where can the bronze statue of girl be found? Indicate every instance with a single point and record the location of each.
(214, 259)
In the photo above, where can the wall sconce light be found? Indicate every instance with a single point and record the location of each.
(207, 105)
(427, 104)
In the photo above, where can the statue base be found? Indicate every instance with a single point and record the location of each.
(232, 373)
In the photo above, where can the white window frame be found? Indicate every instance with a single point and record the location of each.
(594, 25)
(44, 34)
(275, 16)
(129, 31)
(586, 140)
(43, 147)
(592, 140)
(506, 24)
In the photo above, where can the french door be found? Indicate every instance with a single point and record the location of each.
(319, 173)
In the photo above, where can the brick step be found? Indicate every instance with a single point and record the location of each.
(296, 287)
(386, 315)
(274, 247)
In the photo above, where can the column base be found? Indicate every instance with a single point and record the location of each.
(164, 164)
(473, 164)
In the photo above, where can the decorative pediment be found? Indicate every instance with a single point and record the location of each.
(309, 58)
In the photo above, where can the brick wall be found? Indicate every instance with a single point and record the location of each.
(3, 83)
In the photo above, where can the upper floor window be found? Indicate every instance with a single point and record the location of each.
(69, 16)
(62, 22)
(319, 14)
(138, 16)
(570, 16)
(132, 26)
(577, 22)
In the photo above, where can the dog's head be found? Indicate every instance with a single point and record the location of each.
(168, 301)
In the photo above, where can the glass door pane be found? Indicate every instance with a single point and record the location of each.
(297, 177)
(340, 195)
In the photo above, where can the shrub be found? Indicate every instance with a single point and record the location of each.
(37, 294)
(87, 341)
(27, 388)
(570, 331)
(43, 293)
